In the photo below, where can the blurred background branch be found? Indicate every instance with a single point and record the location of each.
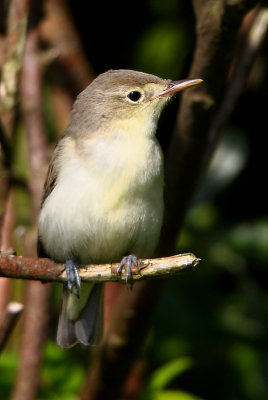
(218, 23)
(12, 47)
(36, 296)
(8, 321)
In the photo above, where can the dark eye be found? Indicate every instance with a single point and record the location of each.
(134, 95)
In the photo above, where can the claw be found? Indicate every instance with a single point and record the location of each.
(73, 278)
(129, 262)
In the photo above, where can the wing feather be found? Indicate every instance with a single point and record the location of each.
(50, 184)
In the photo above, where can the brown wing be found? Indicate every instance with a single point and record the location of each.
(51, 178)
(50, 183)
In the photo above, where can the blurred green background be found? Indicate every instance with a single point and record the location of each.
(209, 337)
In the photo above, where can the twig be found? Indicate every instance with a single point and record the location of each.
(46, 270)
(129, 325)
(8, 321)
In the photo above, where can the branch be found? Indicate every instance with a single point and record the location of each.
(16, 33)
(32, 117)
(256, 34)
(36, 317)
(46, 270)
(59, 31)
(71, 71)
(8, 321)
(14, 46)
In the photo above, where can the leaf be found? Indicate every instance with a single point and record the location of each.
(164, 375)
(175, 395)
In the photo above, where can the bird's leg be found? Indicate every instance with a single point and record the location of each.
(128, 261)
(73, 278)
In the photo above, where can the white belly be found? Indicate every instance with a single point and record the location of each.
(101, 211)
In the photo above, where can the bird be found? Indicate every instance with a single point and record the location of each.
(103, 194)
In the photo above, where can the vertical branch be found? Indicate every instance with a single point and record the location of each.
(33, 121)
(36, 314)
(8, 321)
(14, 47)
(256, 31)
(11, 65)
(6, 244)
(71, 71)
(58, 29)
(33, 334)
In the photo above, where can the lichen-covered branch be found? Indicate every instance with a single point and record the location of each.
(46, 270)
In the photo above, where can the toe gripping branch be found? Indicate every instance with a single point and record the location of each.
(128, 262)
(73, 278)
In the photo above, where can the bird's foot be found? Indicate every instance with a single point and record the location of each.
(73, 277)
(129, 262)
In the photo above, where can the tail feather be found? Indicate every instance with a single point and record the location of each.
(66, 333)
(87, 328)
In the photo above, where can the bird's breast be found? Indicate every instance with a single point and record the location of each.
(108, 203)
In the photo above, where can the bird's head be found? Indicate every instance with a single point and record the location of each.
(124, 95)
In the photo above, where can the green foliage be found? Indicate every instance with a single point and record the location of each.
(247, 361)
(20, 171)
(162, 48)
(8, 363)
(162, 377)
(62, 375)
(250, 239)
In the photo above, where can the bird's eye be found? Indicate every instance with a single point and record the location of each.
(134, 95)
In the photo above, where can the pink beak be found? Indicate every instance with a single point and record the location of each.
(177, 86)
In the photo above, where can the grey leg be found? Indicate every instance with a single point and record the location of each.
(73, 278)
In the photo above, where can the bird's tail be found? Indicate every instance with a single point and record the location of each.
(81, 319)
